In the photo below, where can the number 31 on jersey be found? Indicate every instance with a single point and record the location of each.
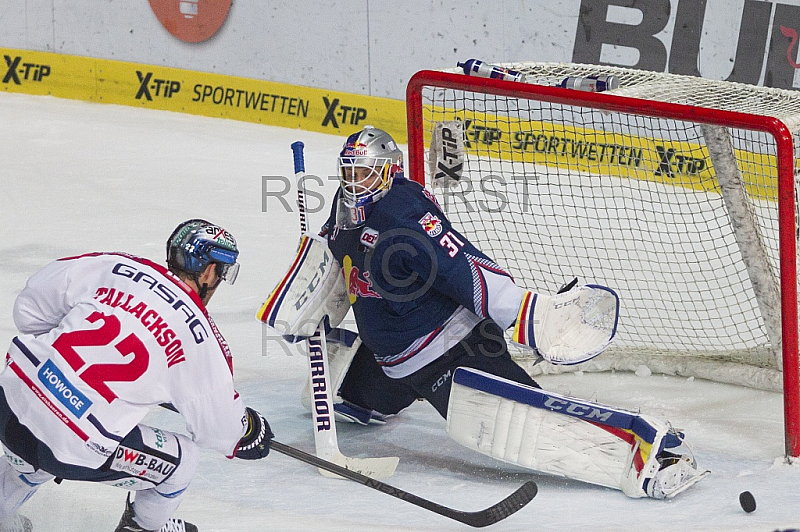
(451, 243)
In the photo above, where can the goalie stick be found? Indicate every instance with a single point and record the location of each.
(325, 438)
(488, 516)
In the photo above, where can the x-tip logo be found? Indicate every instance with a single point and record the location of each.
(150, 86)
(18, 71)
(349, 115)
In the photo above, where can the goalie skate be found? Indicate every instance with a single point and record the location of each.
(352, 413)
(127, 524)
(676, 474)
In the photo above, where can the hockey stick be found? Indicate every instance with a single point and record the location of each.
(325, 438)
(488, 516)
(300, 174)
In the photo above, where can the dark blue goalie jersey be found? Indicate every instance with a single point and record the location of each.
(410, 275)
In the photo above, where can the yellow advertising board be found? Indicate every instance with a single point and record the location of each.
(595, 151)
(199, 93)
(681, 164)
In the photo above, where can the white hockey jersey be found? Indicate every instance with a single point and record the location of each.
(104, 337)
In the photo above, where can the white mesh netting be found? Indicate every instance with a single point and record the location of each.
(554, 191)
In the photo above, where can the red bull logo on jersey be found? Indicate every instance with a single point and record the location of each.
(358, 287)
(358, 284)
(431, 224)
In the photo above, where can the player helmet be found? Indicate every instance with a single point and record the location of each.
(368, 162)
(196, 243)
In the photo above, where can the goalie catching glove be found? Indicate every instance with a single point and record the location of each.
(255, 442)
(570, 327)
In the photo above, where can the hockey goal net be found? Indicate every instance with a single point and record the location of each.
(677, 192)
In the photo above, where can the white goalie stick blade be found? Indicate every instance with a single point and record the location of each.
(325, 437)
(371, 467)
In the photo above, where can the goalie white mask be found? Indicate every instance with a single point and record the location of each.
(368, 162)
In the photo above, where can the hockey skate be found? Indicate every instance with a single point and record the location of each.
(352, 413)
(127, 524)
(676, 474)
(19, 523)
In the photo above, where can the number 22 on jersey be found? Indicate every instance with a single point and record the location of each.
(97, 375)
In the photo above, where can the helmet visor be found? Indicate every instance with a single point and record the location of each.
(229, 272)
(227, 267)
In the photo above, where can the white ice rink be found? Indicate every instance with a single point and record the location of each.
(79, 177)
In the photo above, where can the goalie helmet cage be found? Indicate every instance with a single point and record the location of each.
(678, 192)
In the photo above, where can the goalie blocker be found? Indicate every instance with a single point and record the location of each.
(312, 289)
(568, 437)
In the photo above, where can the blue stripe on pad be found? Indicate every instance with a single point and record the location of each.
(545, 400)
(277, 305)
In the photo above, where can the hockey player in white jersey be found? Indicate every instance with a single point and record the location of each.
(431, 310)
(104, 337)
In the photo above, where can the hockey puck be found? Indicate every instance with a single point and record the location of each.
(747, 501)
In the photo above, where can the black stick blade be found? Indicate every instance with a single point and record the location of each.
(497, 512)
(511, 504)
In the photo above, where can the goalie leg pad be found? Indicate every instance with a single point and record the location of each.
(569, 327)
(312, 289)
(556, 434)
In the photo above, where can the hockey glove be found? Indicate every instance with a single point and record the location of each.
(255, 443)
(570, 327)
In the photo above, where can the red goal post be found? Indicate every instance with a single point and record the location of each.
(555, 183)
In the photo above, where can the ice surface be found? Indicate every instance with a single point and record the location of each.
(79, 177)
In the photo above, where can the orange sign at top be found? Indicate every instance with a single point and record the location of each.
(191, 20)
